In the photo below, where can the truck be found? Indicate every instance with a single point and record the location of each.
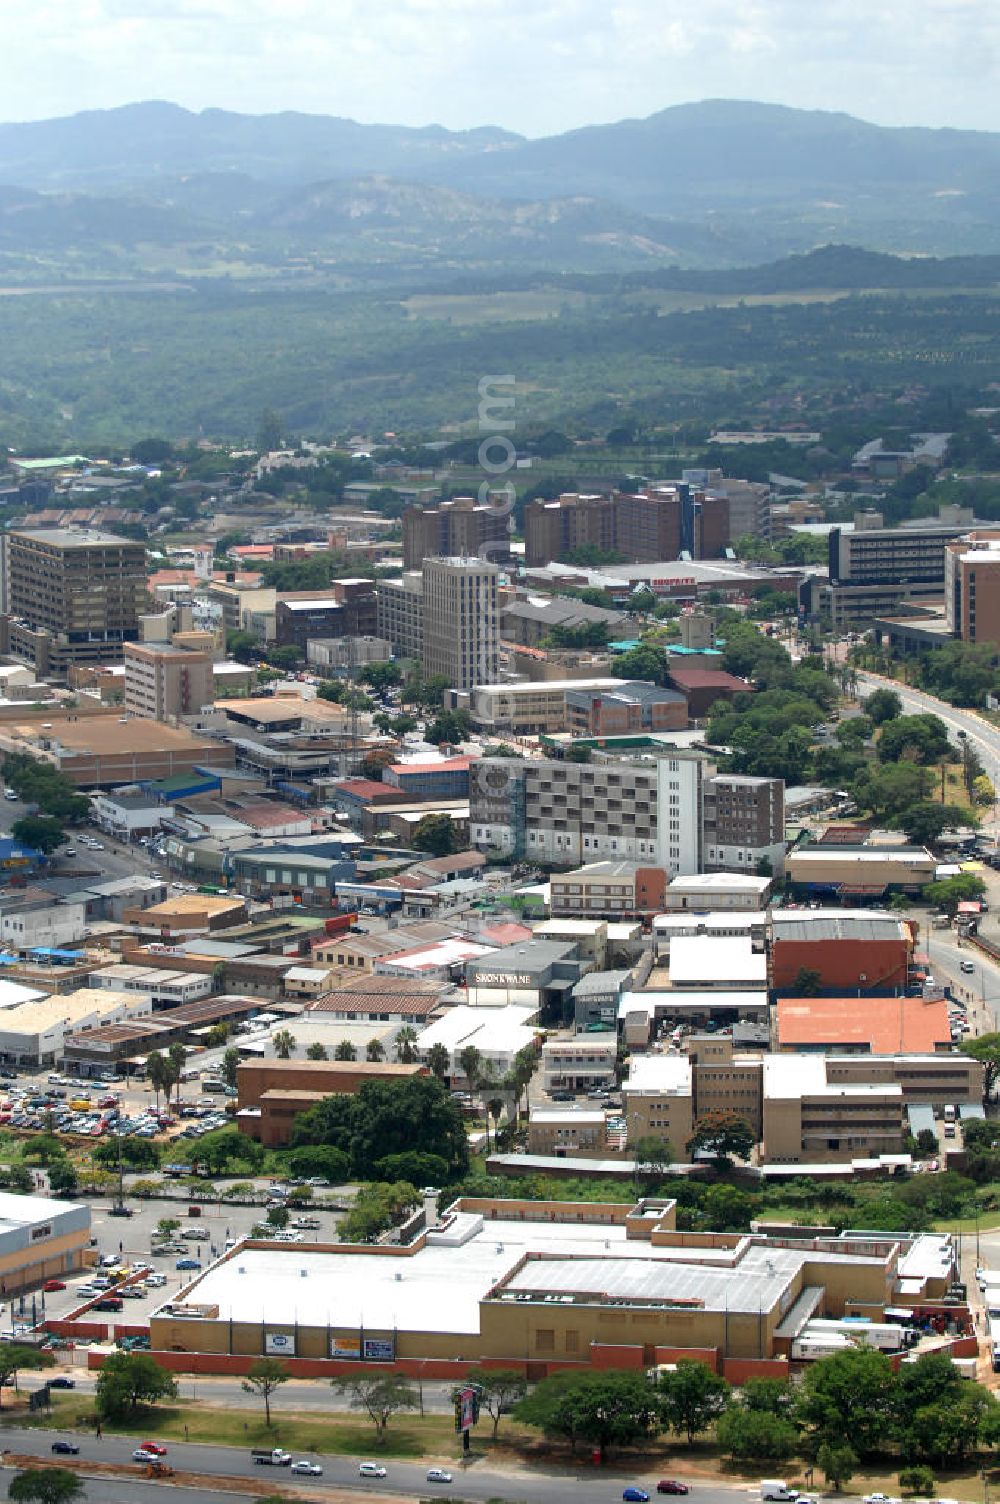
(271, 1457)
(777, 1489)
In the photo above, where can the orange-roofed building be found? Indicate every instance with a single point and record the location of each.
(863, 1025)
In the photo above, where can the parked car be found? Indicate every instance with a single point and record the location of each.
(61, 1382)
(52, 1285)
(187, 1264)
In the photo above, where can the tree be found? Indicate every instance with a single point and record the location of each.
(374, 1052)
(41, 832)
(320, 1159)
(451, 726)
(136, 1153)
(917, 1479)
(892, 790)
(692, 1397)
(604, 1409)
(471, 1064)
(849, 1394)
(285, 658)
(725, 1208)
(500, 1389)
(266, 1376)
(438, 1061)
(924, 823)
(230, 1065)
(127, 1380)
(414, 1166)
(277, 1216)
(416, 1114)
(159, 1073)
(652, 1156)
(837, 1463)
(406, 1045)
(243, 646)
(723, 1135)
(45, 1485)
(987, 1049)
(915, 738)
(345, 1051)
(45, 1148)
(63, 1179)
(381, 1396)
(951, 891)
(176, 1057)
(436, 834)
(807, 982)
(377, 1207)
(883, 705)
(14, 1357)
(318, 1051)
(284, 1043)
(746, 1433)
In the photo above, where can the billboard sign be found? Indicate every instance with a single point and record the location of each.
(345, 1347)
(380, 1349)
(279, 1344)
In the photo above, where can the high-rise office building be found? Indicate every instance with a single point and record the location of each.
(460, 528)
(72, 597)
(461, 632)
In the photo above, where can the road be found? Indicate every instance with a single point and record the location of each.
(584, 1485)
(984, 736)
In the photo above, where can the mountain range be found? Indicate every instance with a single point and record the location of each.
(720, 183)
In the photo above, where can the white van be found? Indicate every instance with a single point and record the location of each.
(778, 1490)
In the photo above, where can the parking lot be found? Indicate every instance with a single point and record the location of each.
(130, 1240)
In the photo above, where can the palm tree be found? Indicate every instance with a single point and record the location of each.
(471, 1062)
(159, 1073)
(317, 1051)
(406, 1045)
(345, 1051)
(374, 1052)
(439, 1060)
(176, 1056)
(284, 1043)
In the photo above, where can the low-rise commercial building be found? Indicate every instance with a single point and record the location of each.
(542, 1286)
(849, 950)
(583, 1063)
(35, 1033)
(843, 871)
(272, 1093)
(607, 890)
(40, 1239)
(718, 891)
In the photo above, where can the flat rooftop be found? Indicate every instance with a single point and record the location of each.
(883, 1025)
(112, 734)
(716, 958)
(440, 1287)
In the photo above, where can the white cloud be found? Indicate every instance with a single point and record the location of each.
(531, 65)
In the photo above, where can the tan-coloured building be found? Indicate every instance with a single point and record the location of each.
(972, 587)
(164, 681)
(540, 1286)
(810, 1118)
(461, 621)
(568, 1131)
(40, 1239)
(866, 870)
(272, 1093)
(189, 914)
(73, 596)
(112, 749)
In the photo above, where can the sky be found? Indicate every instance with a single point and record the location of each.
(533, 66)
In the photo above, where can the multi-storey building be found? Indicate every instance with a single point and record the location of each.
(400, 614)
(607, 890)
(873, 569)
(629, 708)
(563, 812)
(461, 621)
(744, 823)
(163, 681)
(660, 523)
(460, 528)
(347, 609)
(649, 811)
(972, 587)
(72, 597)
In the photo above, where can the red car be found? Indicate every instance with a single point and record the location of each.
(52, 1285)
(154, 1447)
(671, 1486)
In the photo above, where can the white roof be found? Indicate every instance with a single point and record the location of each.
(442, 953)
(716, 958)
(721, 882)
(679, 1000)
(306, 973)
(499, 1030)
(709, 919)
(12, 993)
(666, 1075)
(805, 1076)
